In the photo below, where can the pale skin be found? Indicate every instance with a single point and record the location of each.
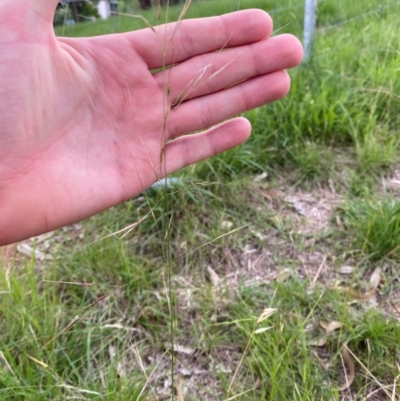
(83, 121)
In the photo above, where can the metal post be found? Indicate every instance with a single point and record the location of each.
(309, 28)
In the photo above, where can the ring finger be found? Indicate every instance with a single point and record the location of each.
(206, 111)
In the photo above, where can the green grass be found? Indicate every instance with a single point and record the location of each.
(94, 322)
(373, 227)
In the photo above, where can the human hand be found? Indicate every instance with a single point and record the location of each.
(85, 124)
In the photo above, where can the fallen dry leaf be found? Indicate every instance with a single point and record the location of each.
(320, 343)
(258, 235)
(226, 225)
(350, 366)
(29, 251)
(346, 269)
(179, 389)
(112, 351)
(186, 372)
(42, 238)
(374, 281)
(331, 326)
(360, 296)
(181, 349)
(375, 278)
(310, 327)
(328, 327)
(298, 205)
(273, 195)
(260, 177)
(282, 276)
(214, 278)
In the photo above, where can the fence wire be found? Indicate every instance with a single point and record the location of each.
(360, 16)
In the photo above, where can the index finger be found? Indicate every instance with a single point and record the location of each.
(179, 41)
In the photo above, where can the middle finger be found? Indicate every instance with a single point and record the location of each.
(212, 72)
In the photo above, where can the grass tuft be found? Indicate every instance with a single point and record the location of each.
(373, 228)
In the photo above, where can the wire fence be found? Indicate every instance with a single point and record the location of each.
(363, 15)
(309, 8)
(310, 17)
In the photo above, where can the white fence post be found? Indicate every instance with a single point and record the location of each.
(309, 28)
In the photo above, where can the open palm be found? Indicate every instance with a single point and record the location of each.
(87, 123)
